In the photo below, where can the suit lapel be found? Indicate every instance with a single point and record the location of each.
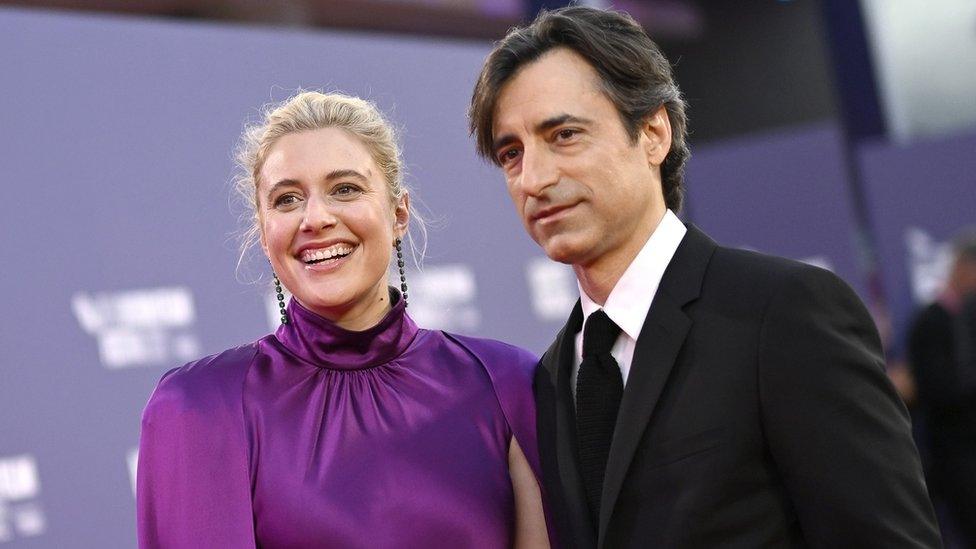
(558, 363)
(662, 336)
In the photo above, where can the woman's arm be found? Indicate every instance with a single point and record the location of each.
(193, 485)
(530, 521)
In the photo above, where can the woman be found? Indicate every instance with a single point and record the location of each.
(349, 426)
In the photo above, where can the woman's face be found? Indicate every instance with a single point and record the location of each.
(328, 224)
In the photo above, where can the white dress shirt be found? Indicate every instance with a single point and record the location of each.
(631, 297)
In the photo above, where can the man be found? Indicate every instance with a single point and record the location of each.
(715, 397)
(942, 353)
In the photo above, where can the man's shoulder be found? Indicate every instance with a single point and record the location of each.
(765, 273)
(758, 263)
(749, 282)
(699, 251)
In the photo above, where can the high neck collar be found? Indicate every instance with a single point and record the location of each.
(325, 344)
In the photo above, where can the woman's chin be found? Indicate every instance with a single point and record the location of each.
(331, 308)
(337, 306)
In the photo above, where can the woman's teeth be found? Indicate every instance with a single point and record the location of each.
(310, 257)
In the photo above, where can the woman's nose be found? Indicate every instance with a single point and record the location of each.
(318, 215)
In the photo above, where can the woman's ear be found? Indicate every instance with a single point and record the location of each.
(656, 136)
(261, 238)
(401, 216)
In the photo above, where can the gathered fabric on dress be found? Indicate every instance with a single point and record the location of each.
(390, 437)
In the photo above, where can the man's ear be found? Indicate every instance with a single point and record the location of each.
(656, 136)
(401, 216)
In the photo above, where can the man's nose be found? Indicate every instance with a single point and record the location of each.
(318, 215)
(539, 171)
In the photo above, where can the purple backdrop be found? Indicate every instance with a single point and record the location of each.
(920, 195)
(784, 193)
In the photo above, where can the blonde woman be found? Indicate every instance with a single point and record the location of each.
(349, 426)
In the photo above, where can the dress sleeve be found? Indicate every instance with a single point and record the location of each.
(513, 386)
(511, 370)
(193, 483)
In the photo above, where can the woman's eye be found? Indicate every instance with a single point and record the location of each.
(285, 200)
(346, 190)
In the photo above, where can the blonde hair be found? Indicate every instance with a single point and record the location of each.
(312, 110)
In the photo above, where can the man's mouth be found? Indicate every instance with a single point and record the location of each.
(332, 253)
(551, 212)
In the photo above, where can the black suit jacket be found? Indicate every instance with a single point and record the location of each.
(757, 413)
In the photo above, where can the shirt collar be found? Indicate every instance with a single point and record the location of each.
(631, 297)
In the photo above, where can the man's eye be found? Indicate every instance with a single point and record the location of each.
(508, 155)
(565, 134)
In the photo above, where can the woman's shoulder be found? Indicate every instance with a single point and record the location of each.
(511, 370)
(203, 384)
(497, 355)
(193, 477)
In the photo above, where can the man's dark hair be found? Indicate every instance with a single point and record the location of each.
(635, 76)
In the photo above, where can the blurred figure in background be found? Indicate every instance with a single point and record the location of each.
(942, 351)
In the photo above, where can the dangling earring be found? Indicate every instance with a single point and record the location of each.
(403, 276)
(281, 297)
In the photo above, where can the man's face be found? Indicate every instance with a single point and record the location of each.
(585, 192)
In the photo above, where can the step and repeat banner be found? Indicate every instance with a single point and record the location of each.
(120, 256)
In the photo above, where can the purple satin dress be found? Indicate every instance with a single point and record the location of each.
(317, 436)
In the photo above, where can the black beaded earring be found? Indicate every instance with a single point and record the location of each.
(403, 276)
(281, 297)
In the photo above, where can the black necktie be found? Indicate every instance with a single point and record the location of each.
(598, 391)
